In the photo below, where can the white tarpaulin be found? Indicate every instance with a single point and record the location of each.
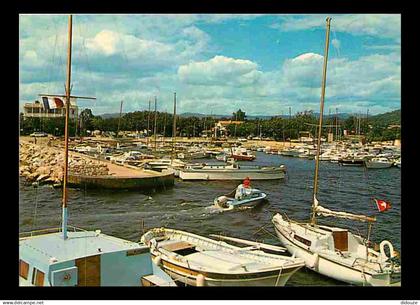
(321, 211)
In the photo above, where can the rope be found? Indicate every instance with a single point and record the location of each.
(278, 276)
(36, 206)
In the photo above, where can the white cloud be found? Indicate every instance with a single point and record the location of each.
(220, 70)
(385, 26)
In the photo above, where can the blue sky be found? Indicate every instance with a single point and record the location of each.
(263, 64)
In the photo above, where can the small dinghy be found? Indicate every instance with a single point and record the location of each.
(228, 201)
(198, 261)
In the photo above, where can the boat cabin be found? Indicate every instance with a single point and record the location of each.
(85, 258)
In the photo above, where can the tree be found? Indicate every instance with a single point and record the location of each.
(239, 115)
(86, 118)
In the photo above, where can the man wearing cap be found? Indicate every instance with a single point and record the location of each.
(243, 189)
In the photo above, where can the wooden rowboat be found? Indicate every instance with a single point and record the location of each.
(199, 261)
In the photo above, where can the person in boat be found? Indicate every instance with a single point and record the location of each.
(243, 189)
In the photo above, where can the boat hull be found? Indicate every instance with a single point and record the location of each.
(243, 158)
(231, 175)
(246, 202)
(378, 165)
(189, 277)
(351, 162)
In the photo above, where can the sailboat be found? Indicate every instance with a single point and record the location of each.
(333, 251)
(69, 256)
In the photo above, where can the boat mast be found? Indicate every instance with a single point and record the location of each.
(173, 129)
(148, 126)
(155, 127)
(119, 120)
(321, 112)
(66, 132)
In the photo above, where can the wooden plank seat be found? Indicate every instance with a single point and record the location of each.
(176, 245)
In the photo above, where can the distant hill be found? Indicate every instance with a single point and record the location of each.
(385, 119)
(393, 117)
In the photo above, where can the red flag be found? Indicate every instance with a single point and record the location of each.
(382, 205)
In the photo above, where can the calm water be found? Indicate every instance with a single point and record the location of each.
(184, 206)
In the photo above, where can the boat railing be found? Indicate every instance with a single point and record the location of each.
(49, 230)
(364, 262)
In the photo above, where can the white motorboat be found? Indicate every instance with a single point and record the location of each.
(332, 251)
(232, 171)
(228, 201)
(199, 261)
(379, 163)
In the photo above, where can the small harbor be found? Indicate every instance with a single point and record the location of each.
(206, 202)
(184, 206)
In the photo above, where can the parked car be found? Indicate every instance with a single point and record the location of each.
(38, 134)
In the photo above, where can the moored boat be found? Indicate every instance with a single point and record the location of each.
(333, 251)
(232, 171)
(199, 261)
(379, 163)
(351, 161)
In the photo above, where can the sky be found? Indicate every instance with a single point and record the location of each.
(216, 63)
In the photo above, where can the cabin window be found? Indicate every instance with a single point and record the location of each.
(302, 240)
(23, 269)
(38, 277)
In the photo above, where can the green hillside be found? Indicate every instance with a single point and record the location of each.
(386, 119)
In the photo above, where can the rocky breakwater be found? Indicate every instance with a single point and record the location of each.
(44, 164)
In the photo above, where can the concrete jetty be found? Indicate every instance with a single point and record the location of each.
(43, 164)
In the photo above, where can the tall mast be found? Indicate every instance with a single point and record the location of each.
(155, 127)
(148, 126)
(66, 131)
(173, 128)
(119, 120)
(336, 124)
(290, 129)
(321, 113)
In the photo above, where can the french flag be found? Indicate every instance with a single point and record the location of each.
(382, 205)
(52, 102)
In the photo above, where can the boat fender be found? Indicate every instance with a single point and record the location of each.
(382, 249)
(157, 260)
(201, 280)
(315, 260)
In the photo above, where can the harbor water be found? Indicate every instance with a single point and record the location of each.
(186, 206)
